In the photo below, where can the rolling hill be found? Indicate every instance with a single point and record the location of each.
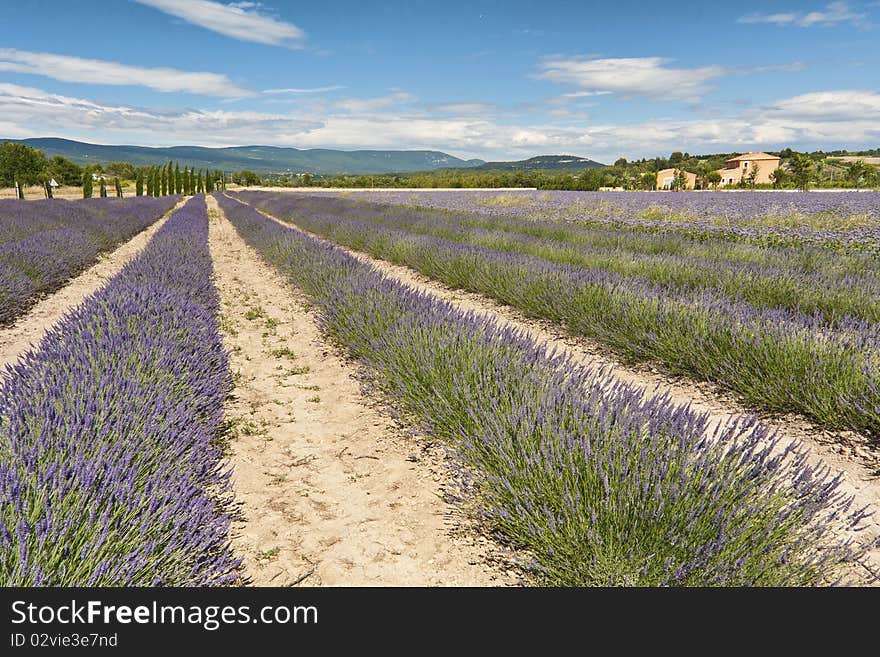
(273, 159)
(544, 162)
(260, 159)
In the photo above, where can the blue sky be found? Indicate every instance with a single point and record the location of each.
(488, 79)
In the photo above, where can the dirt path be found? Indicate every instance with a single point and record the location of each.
(845, 453)
(29, 329)
(331, 492)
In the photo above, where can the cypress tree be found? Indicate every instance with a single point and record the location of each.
(192, 181)
(209, 182)
(103, 187)
(178, 182)
(163, 182)
(139, 184)
(118, 186)
(156, 188)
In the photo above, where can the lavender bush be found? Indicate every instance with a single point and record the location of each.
(808, 279)
(109, 471)
(842, 221)
(774, 358)
(45, 243)
(602, 484)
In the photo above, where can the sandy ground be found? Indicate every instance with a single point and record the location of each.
(29, 329)
(331, 492)
(844, 452)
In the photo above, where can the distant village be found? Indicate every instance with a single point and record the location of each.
(757, 168)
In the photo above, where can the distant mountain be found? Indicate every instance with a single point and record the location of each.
(260, 159)
(556, 162)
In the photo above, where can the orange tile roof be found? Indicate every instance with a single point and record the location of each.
(754, 156)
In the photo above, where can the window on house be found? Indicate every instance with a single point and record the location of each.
(745, 165)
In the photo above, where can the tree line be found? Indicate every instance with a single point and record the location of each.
(22, 165)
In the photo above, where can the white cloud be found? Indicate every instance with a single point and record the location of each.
(834, 13)
(361, 105)
(843, 118)
(303, 90)
(463, 108)
(236, 20)
(585, 94)
(40, 112)
(631, 76)
(772, 68)
(843, 105)
(96, 71)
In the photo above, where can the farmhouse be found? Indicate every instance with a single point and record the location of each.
(743, 166)
(666, 179)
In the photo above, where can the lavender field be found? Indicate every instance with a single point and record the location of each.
(109, 472)
(118, 434)
(788, 318)
(45, 243)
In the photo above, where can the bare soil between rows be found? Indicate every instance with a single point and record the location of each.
(331, 492)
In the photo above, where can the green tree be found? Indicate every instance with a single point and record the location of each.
(178, 187)
(819, 169)
(752, 175)
(857, 172)
(802, 170)
(87, 185)
(246, 178)
(676, 157)
(139, 184)
(163, 182)
(648, 180)
(209, 182)
(713, 178)
(118, 186)
(103, 187)
(19, 162)
(778, 177)
(200, 184)
(124, 170)
(64, 171)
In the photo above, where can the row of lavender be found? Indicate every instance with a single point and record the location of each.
(776, 359)
(846, 221)
(601, 484)
(109, 471)
(808, 280)
(45, 243)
